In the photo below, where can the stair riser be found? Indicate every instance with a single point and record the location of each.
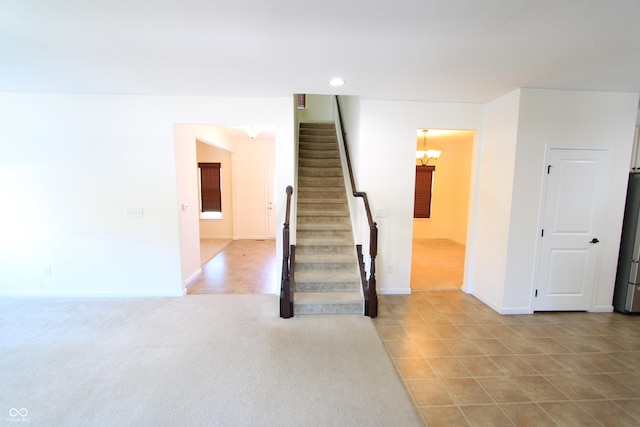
(333, 308)
(321, 139)
(327, 130)
(323, 207)
(317, 133)
(320, 163)
(335, 223)
(318, 127)
(322, 194)
(324, 220)
(313, 172)
(325, 259)
(324, 250)
(319, 154)
(307, 183)
(315, 125)
(345, 236)
(318, 146)
(320, 202)
(327, 267)
(327, 287)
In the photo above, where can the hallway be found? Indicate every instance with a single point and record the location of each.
(240, 267)
(437, 265)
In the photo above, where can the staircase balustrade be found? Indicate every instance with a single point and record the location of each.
(368, 285)
(287, 283)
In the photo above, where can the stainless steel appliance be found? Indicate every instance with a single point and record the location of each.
(626, 296)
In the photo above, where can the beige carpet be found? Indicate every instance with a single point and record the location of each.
(437, 265)
(199, 360)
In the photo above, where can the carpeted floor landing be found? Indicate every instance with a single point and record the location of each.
(200, 360)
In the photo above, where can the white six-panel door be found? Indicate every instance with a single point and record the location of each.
(575, 199)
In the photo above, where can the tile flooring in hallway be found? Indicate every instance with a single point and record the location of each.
(436, 265)
(464, 364)
(240, 267)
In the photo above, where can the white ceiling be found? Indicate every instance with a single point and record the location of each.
(439, 50)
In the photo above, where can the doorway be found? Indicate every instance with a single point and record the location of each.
(438, 245)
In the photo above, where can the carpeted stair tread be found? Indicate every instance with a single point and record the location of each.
(323, 205)
(325, 258)
(327, 296)
(320, 241)
(327, 277)
(314, 236)
(325, 193)
(319, 154)
(307, 182)
(321, 201)
(316, 172)
(327, 209)
(328, 303)
(320, 163)
(323, 214)
(326, 222)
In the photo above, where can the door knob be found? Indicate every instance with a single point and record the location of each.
(594, 240)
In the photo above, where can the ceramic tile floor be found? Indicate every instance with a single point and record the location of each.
(241, 267)
(466, 365)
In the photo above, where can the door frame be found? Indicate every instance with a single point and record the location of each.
(541, 211)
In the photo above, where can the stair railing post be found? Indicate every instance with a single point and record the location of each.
(286, 294)
(371, 308)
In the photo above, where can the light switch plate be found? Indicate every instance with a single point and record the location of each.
(134, 213)
(382, 213)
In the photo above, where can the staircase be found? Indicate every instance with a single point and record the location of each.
(327, 275)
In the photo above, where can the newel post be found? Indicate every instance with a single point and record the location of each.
(371, 308)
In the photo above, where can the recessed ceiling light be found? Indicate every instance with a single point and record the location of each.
(337, 81)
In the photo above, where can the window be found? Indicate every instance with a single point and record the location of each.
(424, 185)
(210, 191)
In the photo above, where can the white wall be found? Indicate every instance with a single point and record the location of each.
(383, 161)
(319, 109)
(70, 165)
(567, 119)
(494, 188)
(350, 111)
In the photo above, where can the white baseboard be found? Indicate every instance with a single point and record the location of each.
(502, 310)
(516, 310)
(602, 309)
(393, 291)
(192, 277)
(253, 238)
(486, 301)
(91, 295)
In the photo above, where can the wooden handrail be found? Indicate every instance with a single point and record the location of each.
(288, 254)
(368, 285)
